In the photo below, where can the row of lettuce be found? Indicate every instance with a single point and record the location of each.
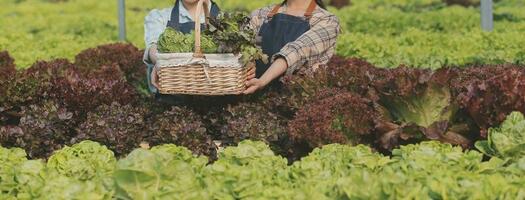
(102, 97)
(428, 170)
(389, 36)
(420, 33)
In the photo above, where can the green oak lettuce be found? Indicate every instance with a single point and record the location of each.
(416, 105)
(173, 41)
(32, 179)
(228, 33)
(160, 173)
(248, 171)
(506, 141)
(428, 170)
(84, 161)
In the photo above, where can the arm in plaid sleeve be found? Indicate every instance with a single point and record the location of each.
(316, 46)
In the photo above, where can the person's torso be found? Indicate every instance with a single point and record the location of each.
(181, 19)
(280, 29)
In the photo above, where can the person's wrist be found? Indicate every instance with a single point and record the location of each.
(152, 54)
(265, 81)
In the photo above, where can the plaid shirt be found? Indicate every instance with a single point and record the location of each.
(313, 48)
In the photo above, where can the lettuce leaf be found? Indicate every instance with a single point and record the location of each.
(506, 141)
(173, 41)
(156, 174)
(83, 161)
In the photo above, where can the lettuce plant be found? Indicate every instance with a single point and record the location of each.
(173, 41)
(43, 128)
(84, 92)
(232, 33)
(9, 158)
(32, 85)
(249, 170)
(322, 173)
(506, 141)
(83, 161)
(428, 170)
(252, 121)
(7, 71)
(465, 3)
(489, 93)
(7, 65)
(415, 105)
(121, 128)
(151, 174)
(337, 117)
(349, 74)
(182, 127)
(126, 56)
(30, 179)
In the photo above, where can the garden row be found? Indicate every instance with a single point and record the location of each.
(431, 37)
(418, 33)
(101, 97)
(428, 170)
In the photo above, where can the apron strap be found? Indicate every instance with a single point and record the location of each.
(175, 14)
(311, 8)
(215, 10)
(308, 14)
(274, 11)
(206, 14)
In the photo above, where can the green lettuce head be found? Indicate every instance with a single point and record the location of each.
(506, 141)
(84, 161)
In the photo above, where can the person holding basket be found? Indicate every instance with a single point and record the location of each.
(297, 35)
(224, 73)
(180, 17)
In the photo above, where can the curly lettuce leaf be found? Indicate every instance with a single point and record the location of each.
(173, 41)
(249, 171)
(506, 141)
(423, 109)
(84, 161)
(156, 174)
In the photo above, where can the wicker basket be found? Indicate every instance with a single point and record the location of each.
(201, 74)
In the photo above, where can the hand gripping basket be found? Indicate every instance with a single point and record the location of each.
(201, 74)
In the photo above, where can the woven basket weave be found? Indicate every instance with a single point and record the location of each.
(201, 74)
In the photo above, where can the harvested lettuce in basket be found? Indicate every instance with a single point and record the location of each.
(234, 35)
(228, 33)
(173, 41)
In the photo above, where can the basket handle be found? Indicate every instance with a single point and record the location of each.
(202, 4)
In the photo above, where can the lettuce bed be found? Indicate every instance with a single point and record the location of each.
(429, 170)
(101, 97)
(72, 130)
(417, 33)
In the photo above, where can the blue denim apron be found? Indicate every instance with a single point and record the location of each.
(278, 30)
(188, 27)
(185, 28)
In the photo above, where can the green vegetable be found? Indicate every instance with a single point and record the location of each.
(84, 161)
(428, 170)
(506, 141)
(249, 171)
(32, 179)
(233, 34)
(9, 160)
(173, 41)
(161, 172)
(228, 33)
